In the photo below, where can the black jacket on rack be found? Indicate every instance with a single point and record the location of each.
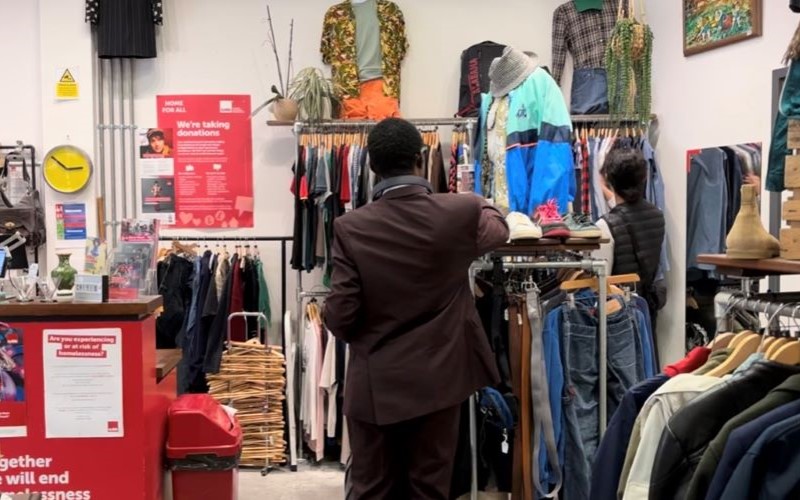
(175, 287)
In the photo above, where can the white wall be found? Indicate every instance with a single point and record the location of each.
(20, 100)
(719, 97)
(65, 42)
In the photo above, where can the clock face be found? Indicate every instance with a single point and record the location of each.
(67, 169)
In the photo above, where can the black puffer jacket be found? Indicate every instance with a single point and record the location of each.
(638, 232)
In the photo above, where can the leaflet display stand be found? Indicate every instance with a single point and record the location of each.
(81, 363)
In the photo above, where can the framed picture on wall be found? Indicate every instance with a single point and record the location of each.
(710, 24)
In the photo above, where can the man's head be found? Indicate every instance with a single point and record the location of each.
(156, 138)
(395, 147)
(625, 172)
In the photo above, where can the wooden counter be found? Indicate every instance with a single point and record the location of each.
(137, 309)
(166, 361)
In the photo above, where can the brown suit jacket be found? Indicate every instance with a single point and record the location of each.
(401, 298)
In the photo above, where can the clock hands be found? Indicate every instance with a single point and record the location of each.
(64, 166)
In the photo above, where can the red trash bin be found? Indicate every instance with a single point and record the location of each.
(203, 448)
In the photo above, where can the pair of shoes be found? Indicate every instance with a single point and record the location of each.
(569, 226)
(551, 222)
(580, 226)
(521, 227)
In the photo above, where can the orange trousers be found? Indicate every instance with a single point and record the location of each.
(371, 104)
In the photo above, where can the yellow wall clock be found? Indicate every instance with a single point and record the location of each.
(67, 169)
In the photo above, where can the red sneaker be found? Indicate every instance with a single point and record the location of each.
(550, 221)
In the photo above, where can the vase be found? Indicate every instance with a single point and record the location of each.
(284, 110)
(65, 272)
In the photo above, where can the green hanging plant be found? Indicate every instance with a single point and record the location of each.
(628, 62)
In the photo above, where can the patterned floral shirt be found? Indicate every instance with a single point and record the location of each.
(338, 47)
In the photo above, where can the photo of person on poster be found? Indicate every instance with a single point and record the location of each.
(158, 144)
(12, 371)
(159, 195)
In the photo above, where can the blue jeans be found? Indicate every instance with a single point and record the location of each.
(589, 92)
(581, 403)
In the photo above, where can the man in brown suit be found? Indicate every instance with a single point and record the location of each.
(401, 299)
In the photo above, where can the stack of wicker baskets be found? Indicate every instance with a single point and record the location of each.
(252, 379)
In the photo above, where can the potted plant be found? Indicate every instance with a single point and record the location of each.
(282, 107)
(315, 94)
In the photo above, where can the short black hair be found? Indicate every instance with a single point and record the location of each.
(394, 147)
(625, 171)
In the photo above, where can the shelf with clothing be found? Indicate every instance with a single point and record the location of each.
(599, 302)
(555, 261)
(332, 175)
(711, 424)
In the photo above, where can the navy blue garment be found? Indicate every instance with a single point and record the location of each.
(193, 349)
(741, 440)
(610, 457)
(769, 468)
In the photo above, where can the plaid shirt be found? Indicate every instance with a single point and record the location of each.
(584, 34)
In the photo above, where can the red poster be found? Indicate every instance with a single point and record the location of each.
(13, 410)
(213, 159)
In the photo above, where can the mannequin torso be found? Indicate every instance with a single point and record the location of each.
(368, 44)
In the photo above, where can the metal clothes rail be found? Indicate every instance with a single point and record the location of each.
(283, 240)
(597, 267)
(607, 119)
(724, 302)
(332, 124)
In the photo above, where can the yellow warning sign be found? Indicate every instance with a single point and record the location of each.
(67, 77)
(67, 85)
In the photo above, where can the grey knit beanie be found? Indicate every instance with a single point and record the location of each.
(509, 71)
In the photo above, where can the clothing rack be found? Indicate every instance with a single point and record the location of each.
(419, 122)
(283, 240)
(724, 302)
(597, 267)
(606, 119)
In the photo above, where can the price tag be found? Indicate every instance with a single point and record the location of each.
(91, 288)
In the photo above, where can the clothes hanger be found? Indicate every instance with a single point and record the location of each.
(612, 305)
(788, 354)
(768, 339)
(781, 342)
(746, 347)
(721, 341)
(741, 336)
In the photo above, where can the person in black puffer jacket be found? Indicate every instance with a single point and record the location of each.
(636, 227)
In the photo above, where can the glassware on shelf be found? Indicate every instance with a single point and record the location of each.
(49, 288)
(24, 288)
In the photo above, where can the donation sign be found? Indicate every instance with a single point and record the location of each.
(209, 140)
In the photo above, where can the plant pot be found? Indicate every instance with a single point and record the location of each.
(284, 110)
(65, 272)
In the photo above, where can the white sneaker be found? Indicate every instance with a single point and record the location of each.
(522, 227)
